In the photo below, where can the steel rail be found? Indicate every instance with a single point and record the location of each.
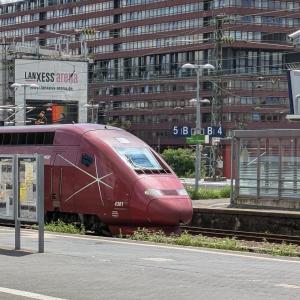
(242, 235)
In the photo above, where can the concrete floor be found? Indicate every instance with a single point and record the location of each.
(85, 267)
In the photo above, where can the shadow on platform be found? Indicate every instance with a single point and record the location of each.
(15, 253)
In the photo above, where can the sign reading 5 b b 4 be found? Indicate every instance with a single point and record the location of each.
(215, 131)
(182, 131)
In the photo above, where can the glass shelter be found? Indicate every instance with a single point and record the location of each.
(266, 168)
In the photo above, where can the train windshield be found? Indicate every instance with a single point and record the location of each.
(139, 158)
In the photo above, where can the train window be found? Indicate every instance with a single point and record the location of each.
(31, 138)
(1, 138)
(166, 168)
(49, 138)
(139, 158)
(6, 138)
(86, 159)
(22, 138)
(39, 139)
(14, 138)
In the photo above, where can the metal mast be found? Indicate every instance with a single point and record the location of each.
(217, 103)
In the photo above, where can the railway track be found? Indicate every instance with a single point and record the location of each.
(220, 233)
(242, 235)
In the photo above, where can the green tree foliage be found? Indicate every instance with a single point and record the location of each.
(182, 161)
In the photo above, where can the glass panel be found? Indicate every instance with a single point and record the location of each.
(269, 167)
(274, 181)
(6, 188)
(27, 208)
(290, 169)
(248, 167)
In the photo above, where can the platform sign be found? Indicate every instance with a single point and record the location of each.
(196, 139)
(27, 189)
(6, 188)
(22, 192)
(215, 131)
(182, 131)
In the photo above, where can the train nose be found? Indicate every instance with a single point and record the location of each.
(170, 211)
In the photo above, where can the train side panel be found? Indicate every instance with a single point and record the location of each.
(110, 194)
(60, 176)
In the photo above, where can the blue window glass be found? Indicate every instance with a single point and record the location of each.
(139, 158)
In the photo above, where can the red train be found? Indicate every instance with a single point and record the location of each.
(103, 176)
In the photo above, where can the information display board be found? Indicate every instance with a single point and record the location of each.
(27, 188)
(182, 131)
(6, 188)
(215, 131)
(22, 192)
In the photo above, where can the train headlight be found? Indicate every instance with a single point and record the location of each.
(159, 193)
(182, 192)
(153, 192)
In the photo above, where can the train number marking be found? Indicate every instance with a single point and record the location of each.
(119, 204)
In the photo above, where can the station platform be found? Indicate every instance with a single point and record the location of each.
(217, 213)
(190, 182)
(213, 203)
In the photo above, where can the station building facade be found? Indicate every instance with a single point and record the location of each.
(137, 49)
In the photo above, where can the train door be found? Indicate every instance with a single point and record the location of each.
(62, 187)
(56, 182)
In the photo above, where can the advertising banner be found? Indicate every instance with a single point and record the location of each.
(27, 183)
(6, 188)
(60, 88)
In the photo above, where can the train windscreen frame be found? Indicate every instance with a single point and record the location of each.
(139, 158)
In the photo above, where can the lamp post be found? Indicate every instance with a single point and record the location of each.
(198, 69)
(24, 85)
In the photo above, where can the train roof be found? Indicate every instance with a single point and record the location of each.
(79, 128)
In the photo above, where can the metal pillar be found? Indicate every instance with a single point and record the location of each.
(16, 196)
(198, 131)
(25, 109)
(40, 201)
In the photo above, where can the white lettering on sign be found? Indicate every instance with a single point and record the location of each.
(209, 130)
(175, 130)
(185, 130)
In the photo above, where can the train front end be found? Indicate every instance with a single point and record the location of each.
(158, 200)
(167, 201)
